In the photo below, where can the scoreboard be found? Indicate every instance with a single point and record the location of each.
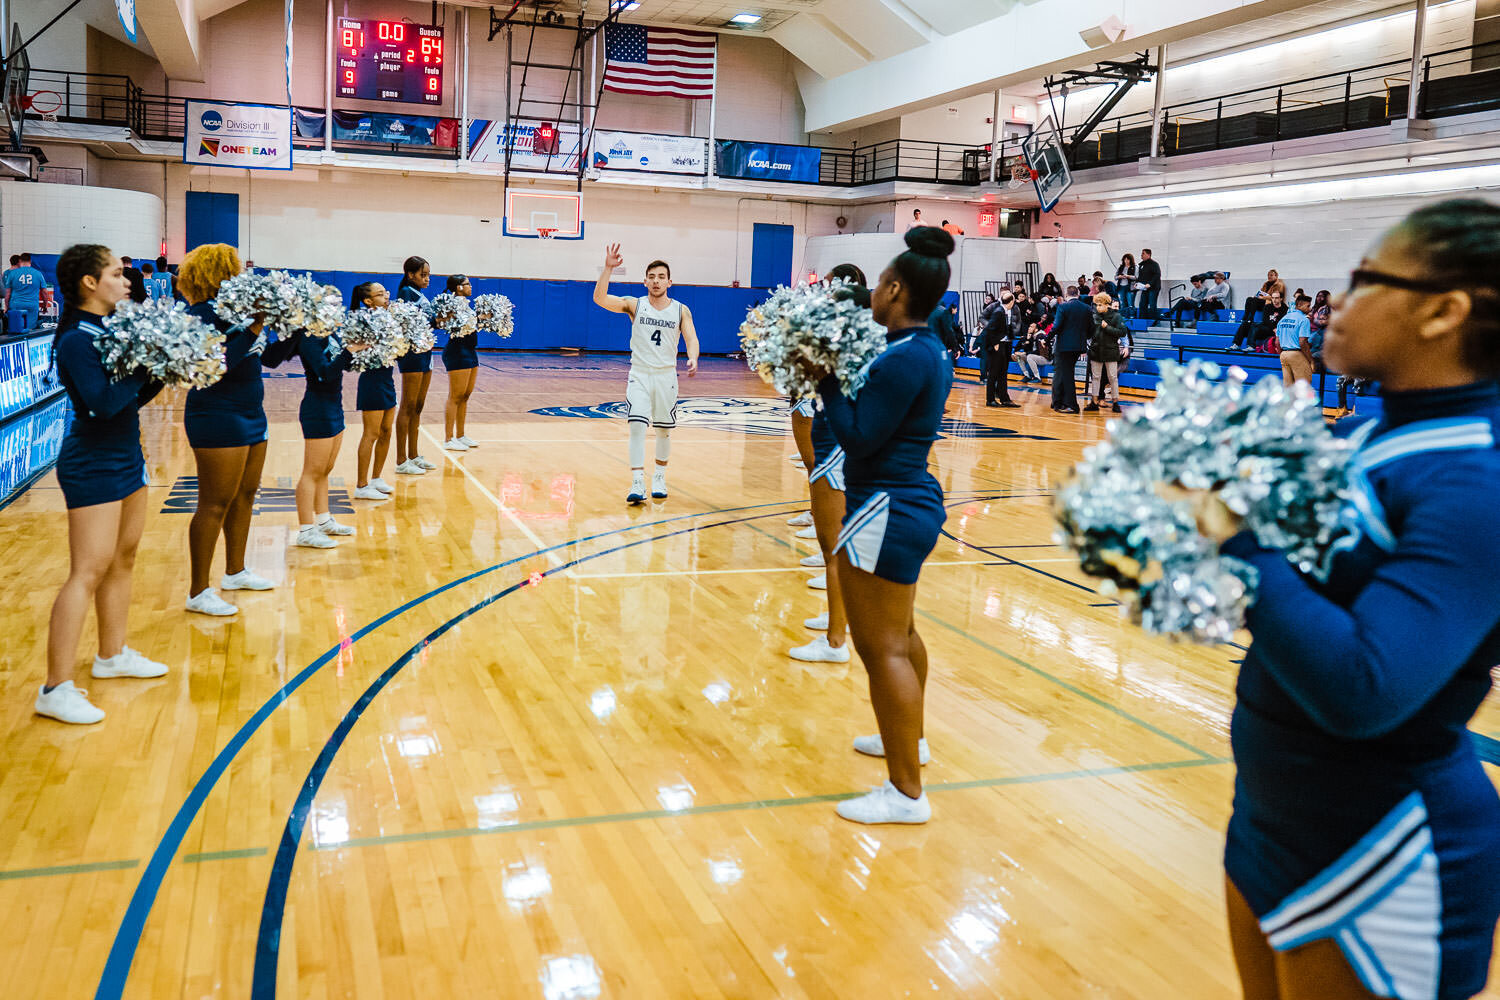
(390, 61)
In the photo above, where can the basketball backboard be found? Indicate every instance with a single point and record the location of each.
(1048, 161)
(529, 212)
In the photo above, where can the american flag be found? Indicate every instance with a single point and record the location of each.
(659, 62)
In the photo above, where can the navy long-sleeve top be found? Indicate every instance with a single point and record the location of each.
(887, 431)
(1356, 687)
(324, 360)
(240, 390)
(105, 413)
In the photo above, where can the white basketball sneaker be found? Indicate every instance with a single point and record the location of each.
(419, 460)
(818, 583)
(208, 602)
(369, 493)
(802, 520)
(637, 492)
(330, 527)
(128, 663)
(814, 561)
(872, 746)
(455, 444)
(382, 485)
(818, 623)
(467, 441)
(66, 703)
(659, 484)
(314, 538)
(886, 804)
(245, 580)
(808, 532)
(819, 651)
(410, 468)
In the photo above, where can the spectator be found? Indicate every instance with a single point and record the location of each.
(1049, 286)
(1025, 312)
(1347, 382)
(1317, 321)
(1125, 279)
(916, 219)
(945, 326)
(988, 310)
(1191, 302)
(1071, 331)
(1294, 332)
(1031, 353)
(952, 229)
(1261, 332)
(1258, 302)
(1148, 274)
(1105, 353)
(997, 341)
(23, 292)
(1220, 295)
(1083, 285)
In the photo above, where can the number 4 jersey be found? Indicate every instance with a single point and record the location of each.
(654, 335)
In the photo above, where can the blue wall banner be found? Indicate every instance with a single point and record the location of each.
(769, 162)
(378, 126)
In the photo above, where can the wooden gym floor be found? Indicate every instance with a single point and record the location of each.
(516, 740)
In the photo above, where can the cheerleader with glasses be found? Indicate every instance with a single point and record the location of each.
(1362, 851)
(416, 376)
(375, 398)
(226, 426)
(461, 358)
(895, 513)
(324, 360)
(103, 477)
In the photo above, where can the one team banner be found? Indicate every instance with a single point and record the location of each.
(763, 161)
(649, 153)
(488, 140)
(247, 136)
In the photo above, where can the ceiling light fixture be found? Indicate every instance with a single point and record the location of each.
(624, 6)
(745, 19)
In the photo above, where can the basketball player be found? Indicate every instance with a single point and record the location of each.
(651, 392)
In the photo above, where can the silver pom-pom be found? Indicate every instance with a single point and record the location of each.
(322, 306)
(268, 298)
(799, 335)
(379, 332)
(160, 337)
(495, 313)
(415, 330)
(1264, 452)
(453, 313)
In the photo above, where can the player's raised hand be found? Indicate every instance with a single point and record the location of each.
(612, 258)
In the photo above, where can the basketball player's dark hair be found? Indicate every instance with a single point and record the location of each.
(924, 269)
(456, 281)
(662, 264)
(79, 261)
(147, 267)
(25, 258)
(410, 268)
(15, 259)
(359, 294)
(161, 263)
(1459, 242)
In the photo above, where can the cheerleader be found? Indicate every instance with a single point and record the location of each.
(416, 376)
(1361, 854)
(896, 513)
(462, 361)
(375, 398)
(324, 359)
(826, 483)
(103, 477)
(226, 427)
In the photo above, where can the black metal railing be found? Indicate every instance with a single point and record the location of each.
(1317, 105)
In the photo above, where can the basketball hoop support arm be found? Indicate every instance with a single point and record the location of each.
(1123, 75)
(10, 56)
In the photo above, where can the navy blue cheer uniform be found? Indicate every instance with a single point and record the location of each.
(231, 413)
(461, 353)
(100, 460)
(412, 361)
(1361, 812)
(828, 457)
(376, 390)
(324, 360)
(895, 506)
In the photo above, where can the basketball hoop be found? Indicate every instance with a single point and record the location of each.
(34, 102)
(546, 234)
(1020, 175)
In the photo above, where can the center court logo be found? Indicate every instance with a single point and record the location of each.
(769, 417)
(212, 121)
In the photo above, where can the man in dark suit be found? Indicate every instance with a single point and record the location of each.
(996, 342)
(1071, 330)
(1148, 274)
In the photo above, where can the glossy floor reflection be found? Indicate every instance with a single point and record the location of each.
(514, 739)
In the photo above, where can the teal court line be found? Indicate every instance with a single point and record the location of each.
(632, 817)
(1067, 686)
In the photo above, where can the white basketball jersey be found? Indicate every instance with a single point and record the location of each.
(654, 334)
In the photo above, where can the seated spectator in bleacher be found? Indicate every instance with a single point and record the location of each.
(1192, 302)
(1220, 295)
(1106, 351)
(1257, 303)
(1031, 353)
(1294, 333)
(1049, 286)
(1317, 321)
(1259, 332)
(1125, 278)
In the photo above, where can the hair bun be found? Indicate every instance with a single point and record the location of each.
(930, 241)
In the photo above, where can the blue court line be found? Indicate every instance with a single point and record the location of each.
(992, 551)
(273, 910)
(97, 866)
(132, 925)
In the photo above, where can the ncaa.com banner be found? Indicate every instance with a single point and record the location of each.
(247, 136)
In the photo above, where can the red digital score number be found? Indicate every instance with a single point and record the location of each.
(390, 31)
(432, 85)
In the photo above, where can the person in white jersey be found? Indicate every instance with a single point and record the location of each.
(657, 322)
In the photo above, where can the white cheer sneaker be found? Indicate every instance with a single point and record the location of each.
(467, 441)
(814, 561)
(818, 623)
(208, 602)
(368, 493)
(818, 583)
(314, 538)
(331, 527)
(802, 520)
(872, 746)
(66, 703)
(886, 804)
(410, 468)
(454, 444)
(422, 462)
(245, 579)
(127, 663)
(808, 532)
(382, 485)
(820, 651)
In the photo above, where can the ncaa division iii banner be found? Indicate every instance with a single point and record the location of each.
(245, 136)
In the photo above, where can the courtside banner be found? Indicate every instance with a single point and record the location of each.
(246, 136)
(769, 162)
(655, 154)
